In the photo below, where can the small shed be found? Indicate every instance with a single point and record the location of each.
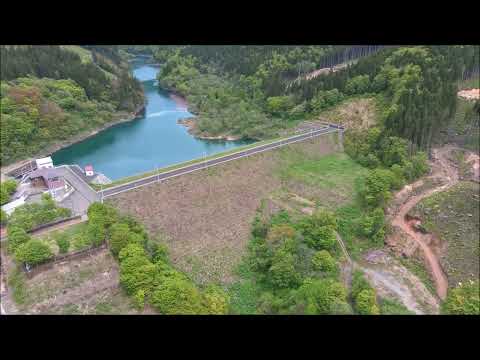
(89, 170)
(44, 163)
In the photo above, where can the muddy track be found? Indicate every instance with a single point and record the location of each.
(442, 169)
(391, 280)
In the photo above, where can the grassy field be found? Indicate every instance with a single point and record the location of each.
(453, 216)
(329, 180)
(73, 233)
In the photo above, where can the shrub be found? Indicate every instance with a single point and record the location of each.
(323, 261)
(136, 271)
(102, 214)
(277, 105)
(16, 237)
(463, 300)
(3, 218)
(62, 242)
(280, 232)
(358, 283)
(393, 307)
(216, 301)
(259, 255)
(33, 252)
(372, 225)
(319, 230)
(95, 233)
(358, 85)
(177, 295)
(366, 303)
(376, 188)
(139, 299)
(80, 242)
(161, 254)
(282, 272)
(319, 296)
(7, 188)
(118, 237)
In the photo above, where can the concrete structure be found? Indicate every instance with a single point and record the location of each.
(11, 206)
(89, 170)
(327, 128)
(44, 163)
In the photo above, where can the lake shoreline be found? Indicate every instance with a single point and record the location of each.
(122, 117)
(191, 125)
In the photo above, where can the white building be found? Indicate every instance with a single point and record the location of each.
(44, 163)
(89, 170)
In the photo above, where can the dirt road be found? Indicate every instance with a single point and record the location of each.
(392, 280)
(442, 169)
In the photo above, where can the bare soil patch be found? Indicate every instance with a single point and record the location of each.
(207, 214)
(405, 222)
(85, 286)
(469, 94)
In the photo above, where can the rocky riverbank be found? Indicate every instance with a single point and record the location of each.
(191, 125)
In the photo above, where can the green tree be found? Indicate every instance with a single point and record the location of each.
(33, 252)
(282, 272)
(177, 295)
(7, 189)
(215, 300)
(372, 225)
(16, 237)
(366, 303)
(358, 85)
(278, 105)
(318, 230)
(121, 236)
(3, 218)
(102, 214)
(136, 271)
(63, 243)
(320, 296)
(323, 261)
(376, 188)
(359, 283)
(95, 233)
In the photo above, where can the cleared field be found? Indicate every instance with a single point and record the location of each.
(206, 215)
(453, 217)
(328, 181)
(83, 286)
(85, 55)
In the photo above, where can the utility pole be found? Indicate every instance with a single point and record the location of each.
(101, 193)
(158, 173)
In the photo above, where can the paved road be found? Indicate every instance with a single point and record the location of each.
(187, 169)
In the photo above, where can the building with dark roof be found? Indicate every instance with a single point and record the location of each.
(48, 178)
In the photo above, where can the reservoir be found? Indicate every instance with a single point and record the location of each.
(151, 141)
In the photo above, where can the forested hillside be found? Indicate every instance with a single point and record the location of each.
(243, 90)
(50, 93)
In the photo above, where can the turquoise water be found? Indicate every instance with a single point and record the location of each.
(146, 143)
